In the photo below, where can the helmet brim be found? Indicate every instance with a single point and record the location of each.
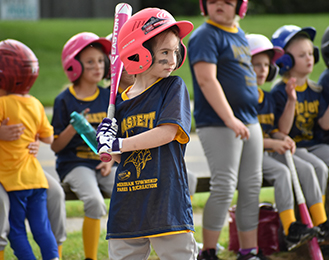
(310, 32)
(105, 43)
(277, 52)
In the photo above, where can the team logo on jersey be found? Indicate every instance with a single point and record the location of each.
(122, 176)
(139, 160)
(305, 119)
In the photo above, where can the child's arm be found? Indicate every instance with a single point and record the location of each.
(158, 136)
(324, 120)
(14, 132)
(63, 139)
(288, 142)
(155, 137)
(66, 135)
(47, 140)
(212, 90)
(287, 118)
(278, 146)
(10, 132)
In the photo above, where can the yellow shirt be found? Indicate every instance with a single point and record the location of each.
(20, 170)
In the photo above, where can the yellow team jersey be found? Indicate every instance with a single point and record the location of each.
(20, 170)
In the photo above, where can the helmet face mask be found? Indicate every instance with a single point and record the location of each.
(19, 67)
(141, 27)
(70, 62)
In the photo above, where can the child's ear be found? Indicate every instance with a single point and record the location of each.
(285, 63)
(272, 73)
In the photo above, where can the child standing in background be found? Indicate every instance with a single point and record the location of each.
(225, 111)
(311, 109)
(55, 193)
(264, 55)
(20, 171)
(151, 201)
(85, 62)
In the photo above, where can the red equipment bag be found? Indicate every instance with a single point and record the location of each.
(270, 232)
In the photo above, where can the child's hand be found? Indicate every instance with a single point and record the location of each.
(10, 132)
(291, 143)
(106, 137)
(239, 128)
(105, 167)
(291, 89)
(85, 112)
(107, 128)
(281, 146)
(34, 146)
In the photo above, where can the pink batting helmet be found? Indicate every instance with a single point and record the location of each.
(19, 67)
(72, 66)
(141, 27)
(259, 43)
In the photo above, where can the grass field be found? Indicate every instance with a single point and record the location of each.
(47, 37)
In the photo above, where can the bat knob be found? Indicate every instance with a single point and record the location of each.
(105, 157)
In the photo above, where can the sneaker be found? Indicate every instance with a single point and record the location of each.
(299, 234)
(209, 254)
(252, 255)
(323, 233)
(218, 247)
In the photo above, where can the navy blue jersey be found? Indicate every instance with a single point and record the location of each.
(321, 135)
(324, 82)
(150, 195)
(77, 152)
(266, 110)
(230, 52)
(310, 106)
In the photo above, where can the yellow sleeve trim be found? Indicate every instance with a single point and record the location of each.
(181, 135)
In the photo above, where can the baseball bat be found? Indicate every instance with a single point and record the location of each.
(313, 245)
(123, 12)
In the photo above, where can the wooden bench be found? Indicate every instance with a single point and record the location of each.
(202, 186)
